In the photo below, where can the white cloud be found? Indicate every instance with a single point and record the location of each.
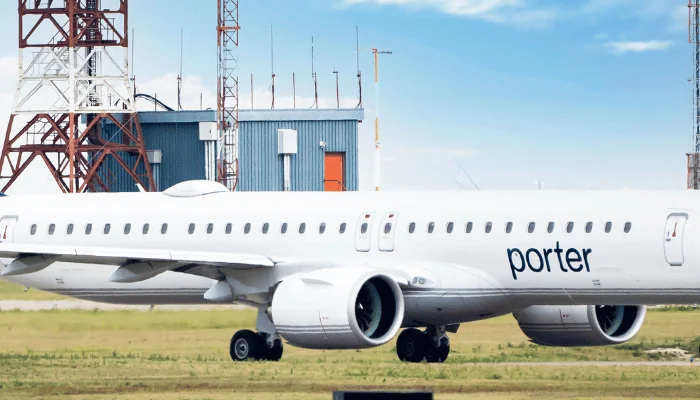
(637, 47)
(519, 13)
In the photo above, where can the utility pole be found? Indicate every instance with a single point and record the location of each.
(377, 142)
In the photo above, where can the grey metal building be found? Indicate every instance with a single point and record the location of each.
(321, 147)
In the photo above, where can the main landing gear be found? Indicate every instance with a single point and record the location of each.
(248, 345)
(262, 345)
(433, 345)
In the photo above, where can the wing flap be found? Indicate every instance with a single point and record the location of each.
(118, 256)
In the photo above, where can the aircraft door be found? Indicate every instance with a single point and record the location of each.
(7, 229)
(673, 240)
(363, 232)
(387, 231)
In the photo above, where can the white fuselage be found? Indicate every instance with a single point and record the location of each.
(471, 271)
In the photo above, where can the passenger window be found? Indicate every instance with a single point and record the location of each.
(246, 228)
(431, 227)
(550, 227)
(190, 230)
(127, 229)
(284, 228)
(52, 229)
(32, 230)
(589, 227)
(88, 229)
(450, 227)
(164, 229)
(628, 227)
(302, 227)
(108, 227)
(322, 228)
(509, 227)
(363, 228)
(265, 228)
(530, 227)
(343, 226)
(210, 229)
(145, 228)
(69, 229)
(608, 227)
(470, 227)
(229, 228)
(387, 228)
(569, 227)
(411, 227)
(488, 227)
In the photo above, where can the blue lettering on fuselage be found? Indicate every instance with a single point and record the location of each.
(539, 260)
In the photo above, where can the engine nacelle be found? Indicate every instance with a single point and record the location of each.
(338, 308)
(580, 325)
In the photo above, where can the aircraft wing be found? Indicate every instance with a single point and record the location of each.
(124, 256)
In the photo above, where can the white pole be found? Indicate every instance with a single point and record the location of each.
(377, 143)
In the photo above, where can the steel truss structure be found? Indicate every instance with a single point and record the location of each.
(72, 85)
(227, 92)
(694, 39)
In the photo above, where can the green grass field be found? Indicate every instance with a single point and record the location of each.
(10, 291)
(184, 355)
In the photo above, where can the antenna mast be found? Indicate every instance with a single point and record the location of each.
(272, 58)
(359, 73)
(313, 75)
(179, 76)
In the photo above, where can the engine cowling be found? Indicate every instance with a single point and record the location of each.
(580, 325)
(338, 308)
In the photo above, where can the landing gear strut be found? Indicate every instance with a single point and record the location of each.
(433, 345)
(248, 345)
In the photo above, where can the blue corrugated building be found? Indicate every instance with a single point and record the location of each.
(180, 148)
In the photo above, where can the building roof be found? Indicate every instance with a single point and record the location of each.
(195, 116)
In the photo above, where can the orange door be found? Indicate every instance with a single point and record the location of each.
(334, 172)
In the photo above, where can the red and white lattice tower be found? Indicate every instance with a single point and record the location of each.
(74, 77)
(227, 91)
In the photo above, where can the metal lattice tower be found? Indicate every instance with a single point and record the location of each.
(70, 85)
(227, 91)
(694, 39)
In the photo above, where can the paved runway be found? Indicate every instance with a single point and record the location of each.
(38, 305)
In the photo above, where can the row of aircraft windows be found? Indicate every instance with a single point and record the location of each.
(488, 227)
(449, 228)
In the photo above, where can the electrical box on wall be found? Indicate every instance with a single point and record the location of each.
(286, 141)
(208, 131)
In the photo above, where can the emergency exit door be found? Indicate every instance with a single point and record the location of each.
(7, 229)
(387, 232)
(673, 240)
(363, 232)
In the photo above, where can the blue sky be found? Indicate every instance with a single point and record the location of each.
(578, 94)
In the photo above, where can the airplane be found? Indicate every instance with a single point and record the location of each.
(349, 270)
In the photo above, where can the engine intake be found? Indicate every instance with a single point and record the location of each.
(339, 308)
(580, 325)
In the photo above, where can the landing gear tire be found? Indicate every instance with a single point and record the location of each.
(246, 345)
(412, 345)
(274, 353)
(440, 352)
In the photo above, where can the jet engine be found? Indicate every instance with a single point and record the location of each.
(580, 325)
(338, 308)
